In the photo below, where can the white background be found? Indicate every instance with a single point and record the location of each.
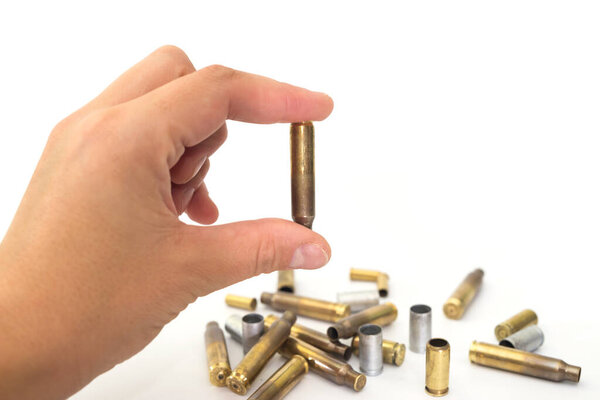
(465, 134)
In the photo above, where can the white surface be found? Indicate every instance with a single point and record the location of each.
(465, 134)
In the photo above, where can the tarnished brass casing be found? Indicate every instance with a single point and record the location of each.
(383, 314)
(523, 362)
(393, 352)
(302, 152)
(515, 324)
(381, 278)
(245, 303)
(455, 306)
(216, 354)
(307, 307)
(316, 338)
(282, 381)
(323, 364)
(437, 367)
(285, 281)
(253, 362)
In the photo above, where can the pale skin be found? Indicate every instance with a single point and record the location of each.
(96, 260)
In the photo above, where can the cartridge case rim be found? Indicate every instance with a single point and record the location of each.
(237, 383)
(218, 374)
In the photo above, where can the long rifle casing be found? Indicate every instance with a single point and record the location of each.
(315, 338)
(282, 381)
(245, 303)
(381, 278)
(323, 364)
(437, 367)
(455, 306)
(522, 362)
(243, 375)
(515, 323)
(285, 281)
(307, 307)
(393, 352)
(216, 354)
(382, 315)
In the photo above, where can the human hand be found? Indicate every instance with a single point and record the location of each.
(96, 261)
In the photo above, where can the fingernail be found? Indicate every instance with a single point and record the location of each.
(309, 256)
(186, 197)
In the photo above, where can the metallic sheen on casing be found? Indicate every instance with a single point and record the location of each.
(437, 367)
(216, 354)
(315, 338)
(382, 315)
(419, 328)
(323, 364)
(523, 362)
(233, 325)
(370, 349)
(307, 307)
(245, 303)
(515, 324)
(253, 326)
(243, 375)
(455, 306)
(302, 155)
(527, 339)
(359, 300)
(393, 352)
(282, 381)
(285, 281)
(381, 278)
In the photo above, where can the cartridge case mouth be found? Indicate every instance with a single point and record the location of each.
(370, 330)
(439, 344)
(573, 373)
(286, 289)
(333, 333)
(252, 318)
(420, 309)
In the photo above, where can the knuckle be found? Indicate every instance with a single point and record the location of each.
(100, 122)
(177, 59)
(266, 254)
(219, 72)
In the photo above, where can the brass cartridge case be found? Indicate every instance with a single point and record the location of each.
(307, 307)
(245, 303)
(437, 367)
(253, 362)
(455, 306)
(216, 354)
(282, 381)
(522, 362)
(381, 278)
(393, 352)
(515, 324)
(315, 338)
(323, 364)
(383, 314)
(285, 281)
(302, 155)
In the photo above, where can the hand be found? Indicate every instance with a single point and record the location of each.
(96, 261)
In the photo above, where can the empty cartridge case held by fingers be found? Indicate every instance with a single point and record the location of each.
(302, 152)
(307, 307)
(315, 338)
(527, 339)
(455, 306)
(282, 381)
(515, 323)
(382, 315)
(359, 300)
(253, 326)
(370, 349)
(523, 362)
(419, 327)
(243, 375)
(437, 367)
(216, 354)
(245, 303)
(285, 281)
(381, 278)
(233, 325)
(393, 352)
(323, 364)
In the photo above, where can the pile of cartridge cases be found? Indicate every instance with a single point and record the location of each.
(356, 324)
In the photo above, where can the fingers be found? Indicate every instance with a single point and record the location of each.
(183, 194)
(201, 208)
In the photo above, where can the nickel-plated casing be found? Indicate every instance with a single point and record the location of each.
(323, 364)
(455, 306)
(437, 367)
(359, 300)
(216, 354)
(523, 362)
(305, 306)
(283, 380)
(515, 323)
(245, 303)
(419, 328)
(315, 338)
(381, 278)
(527, 339)
(383, 314)
(285, 281)
(253, 326)
(393, 352)
(370, 352)
(233, 325)
(253, 362)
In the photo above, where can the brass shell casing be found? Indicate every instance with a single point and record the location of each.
(393, 352)
(302, 155)
(323, 364)
(381, 278)
(216, 354)
(437, 367)
(253, 362)
(455, 306)
(307, 307)
(315, 338)
(282, 381)
(285, 281)
(383, 314)
(515, 324)
(523, 362)
(245, 303)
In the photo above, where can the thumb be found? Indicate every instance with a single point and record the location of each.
(219, 256)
